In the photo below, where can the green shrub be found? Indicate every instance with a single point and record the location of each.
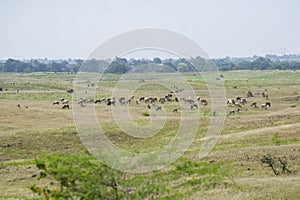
(145, 114)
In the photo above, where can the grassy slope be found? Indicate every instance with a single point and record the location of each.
(43, 128)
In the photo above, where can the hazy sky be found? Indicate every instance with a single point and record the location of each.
(73, 29)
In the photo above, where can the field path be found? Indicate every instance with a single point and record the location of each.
(260, 130)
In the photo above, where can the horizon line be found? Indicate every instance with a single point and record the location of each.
(75, 58)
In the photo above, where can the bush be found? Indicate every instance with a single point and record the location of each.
(77, 177)
(275, 164)
(145, 114)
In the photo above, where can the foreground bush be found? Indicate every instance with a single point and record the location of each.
(75, 177)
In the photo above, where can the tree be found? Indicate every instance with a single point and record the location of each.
(182, 67)
(118, 66)
(270, 161)
(157, 60)
(56, 67)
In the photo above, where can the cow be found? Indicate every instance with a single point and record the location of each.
(254, 104)
(55, 103)
(66, 106)
(203, 102)
(97, 101)
(70, 91)
(194, 106)
(232, 112)
(122, 100)
(65, 101)
(231, 101)
(111, 102)
(162, 100)
(243, 101)
(190, 101)
(158, 108)
(268, 104)
(175, 110)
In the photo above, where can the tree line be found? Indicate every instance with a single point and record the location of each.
(123, 65)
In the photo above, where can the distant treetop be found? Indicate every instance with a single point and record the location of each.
(123, 65)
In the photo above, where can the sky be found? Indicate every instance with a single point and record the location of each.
(60, 29)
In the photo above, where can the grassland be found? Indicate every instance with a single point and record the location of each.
(38, 128)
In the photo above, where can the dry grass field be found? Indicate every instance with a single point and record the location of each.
(36, 128)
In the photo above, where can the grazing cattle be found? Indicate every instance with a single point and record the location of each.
(190, 101)
(149, 107)
(70, 91)
(132, 97)
(169, 100)
(122, 100)
(66, 106)
(198, 98)
(254, 104)
(65, 101)
(142, 98)
(150, 100)
(239, 98)
(97, 101)
(203, 102)
(90, 101)
(81, 101)
(243, 101)
(136, 102)
(194, 106)
(232, 112)
(19, 106)
(264, 106)
(146, 100)
(55, 103)
(103, 100)
(169, 96)
(111, 102)
(175, 110)
(268, 104)
(231, 101)
(162, 100)
(158, 108)
(176, 99)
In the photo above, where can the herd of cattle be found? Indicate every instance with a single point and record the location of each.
(170, 97)
(242, 101)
